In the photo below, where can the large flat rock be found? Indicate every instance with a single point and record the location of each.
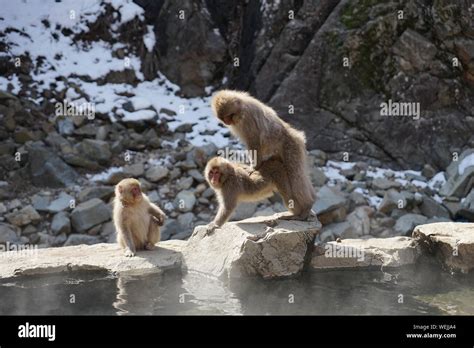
(365, 253)
(167, 255)
(283, 249)
(451, 242)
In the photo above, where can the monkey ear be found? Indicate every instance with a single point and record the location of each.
(120, 189)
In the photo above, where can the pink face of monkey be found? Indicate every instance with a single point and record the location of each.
(129, 190)
(214, 176)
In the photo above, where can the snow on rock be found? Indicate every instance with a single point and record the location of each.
(149, 38)
(468, 161)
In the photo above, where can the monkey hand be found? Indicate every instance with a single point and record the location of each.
(159, 220)
(129, 253)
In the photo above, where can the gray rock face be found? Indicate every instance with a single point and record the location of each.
(60, 203)
(228, 253)
(23, 216)
(61, 223)
(467, 207)
(430, 208)
(330, 205)
(156, 173)
(452, 243)
(460, 176)
(102, 192)
(396, 200)
(100, 257)
(47, 169)
(405, 225)
(7, 234)
(365, 253)
(89, 214)
(96, 150)
(185, 201)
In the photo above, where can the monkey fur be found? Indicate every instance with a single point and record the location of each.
(137, 220)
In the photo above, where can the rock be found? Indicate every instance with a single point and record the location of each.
(201, 154)
(100, 257)
(405, 225)
(185, 201)
(183, 234)
(96, 150)
(107, 229)
(318, 178)
(156, 173)
(452, 243)
(134, 170)
(415, 49)
(228, 253)
(47, 169)
(428, 171)
(430, 208)
(365, 253)
(61, 224)
(385, 184)
(167, 112)
(65, 126)
(244, 210)
(59, 240)
(338, 229)
(460, 176)
(7, 234)
(466, 209)
(185, 128)
(40, 202)
(319, 157)
(330, 205)
(196, 175)
(396, 200)
(61, 203)
(184, 183)
(78, 239)
(359, 221)
(23, 216)
(186, 220)
(102, 192)
(89, 214)
(171, 227)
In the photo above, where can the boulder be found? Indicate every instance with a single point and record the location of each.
(156, 173)
(365, 253)
(405, 225)
(330, 205)
(61, 223)
(61, 203)
(99, 257)
(102, 192)
(430, 208)
(47, 169)
(95, 150)
(460, 176)
(23, 216)
(78, 239)
(260, 246)
(451, 242)
(89, 214)
(7, 234)
(185, 201)
(466, 209)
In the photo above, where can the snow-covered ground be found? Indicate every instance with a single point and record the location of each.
(39, 27)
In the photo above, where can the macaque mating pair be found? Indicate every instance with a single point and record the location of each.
(281, 164)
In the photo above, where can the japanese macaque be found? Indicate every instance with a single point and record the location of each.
(234, 183)
(260, 128)
(136, 219)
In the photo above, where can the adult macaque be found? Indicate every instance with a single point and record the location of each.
(234, 183)
(260, 128)
(136, 219)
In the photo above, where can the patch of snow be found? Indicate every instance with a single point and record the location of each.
(437, 181)
(13, 80)
(140, 103)
(103, 176)
(149, 38)
(467, 162)
(140, 115)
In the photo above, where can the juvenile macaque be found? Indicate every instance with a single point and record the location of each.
(136, 219)
(260, 128)
(234, 183)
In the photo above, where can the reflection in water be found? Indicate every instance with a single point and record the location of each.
(418, 290)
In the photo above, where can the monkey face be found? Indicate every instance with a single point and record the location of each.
(228, 108)
(129, 190)
(214, 176)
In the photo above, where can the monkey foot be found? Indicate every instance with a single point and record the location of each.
(129, 253)
(149, 246)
